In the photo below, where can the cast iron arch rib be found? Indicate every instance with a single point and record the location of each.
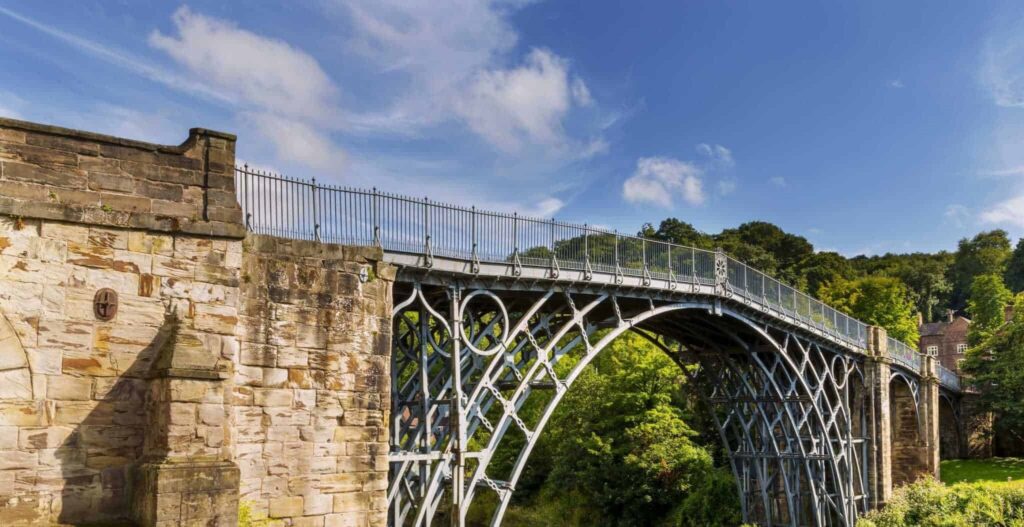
(780, 409)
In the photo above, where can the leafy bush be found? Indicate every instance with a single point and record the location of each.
(929, 503)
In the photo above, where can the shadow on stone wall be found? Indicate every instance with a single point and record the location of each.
(98, 457)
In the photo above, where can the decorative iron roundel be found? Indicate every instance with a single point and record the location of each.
(104, 304)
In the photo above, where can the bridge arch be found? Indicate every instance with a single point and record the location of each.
(784, 404)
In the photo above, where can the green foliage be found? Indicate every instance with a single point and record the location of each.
(1001, 470)
(1015, 268)
(986, 253)
(929, 503)
(986, 306)
(819, 269)
(620, 451)
(876, 300)
(995, 368)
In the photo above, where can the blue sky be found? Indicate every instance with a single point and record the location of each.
(881, 126)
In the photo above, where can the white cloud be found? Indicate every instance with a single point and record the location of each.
(1008, 212)
(449, 61)
(720, 156)
(896, 83)
(528, 103)
(658, 180)
(296, 141)
(285, 94)
(580, 92)
(778, 181)
(262, 72)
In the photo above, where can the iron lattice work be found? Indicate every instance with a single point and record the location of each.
(791, 410)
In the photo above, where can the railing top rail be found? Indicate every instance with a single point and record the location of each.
(268, 195)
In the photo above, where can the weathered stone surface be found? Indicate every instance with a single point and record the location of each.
(280, 330)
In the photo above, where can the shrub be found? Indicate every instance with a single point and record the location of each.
(929, 503)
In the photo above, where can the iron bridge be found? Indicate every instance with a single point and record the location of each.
(494, 309)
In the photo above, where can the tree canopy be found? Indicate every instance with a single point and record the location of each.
(877, 300)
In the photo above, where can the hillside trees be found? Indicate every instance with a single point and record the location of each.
(1015, 268)
(986, 305)
(876, 300)
(986, 253)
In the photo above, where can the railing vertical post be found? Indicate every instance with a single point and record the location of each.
(587, 270)
(475, 264)
(376, 218)
(517, 268)
(247, 189)
(428, 256)
(316, 218)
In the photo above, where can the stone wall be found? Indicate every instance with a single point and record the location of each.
(80, 212)
(274, 361)
(312, 387)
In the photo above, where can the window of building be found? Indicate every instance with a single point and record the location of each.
(961, 348)
(933, 350)
(960, 364)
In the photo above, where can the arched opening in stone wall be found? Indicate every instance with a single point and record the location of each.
(909, 449)
(950, 429)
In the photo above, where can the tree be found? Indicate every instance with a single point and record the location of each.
(760, 240)
(1015, 268)
(994, 366)
(824, 268)
(986, 253)
(987, 305)
(679, 232)
(620, 449)
(877, 300)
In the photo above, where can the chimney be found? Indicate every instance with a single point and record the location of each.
(920, 319)
(949, 315)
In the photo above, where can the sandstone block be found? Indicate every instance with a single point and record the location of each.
(68, 388)
(272, 397)
(286, 507)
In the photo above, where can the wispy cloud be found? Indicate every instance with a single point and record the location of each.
(778, 181)
(123, 59)
(287, 96)
(1008, 212)
(1002, 70)
(896, 83)
(1003, 172)
(659, 180)
(718, 155)
(957, 214)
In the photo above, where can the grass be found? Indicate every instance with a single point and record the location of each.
(1004, 471)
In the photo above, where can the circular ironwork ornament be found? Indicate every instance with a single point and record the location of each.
(104, 304)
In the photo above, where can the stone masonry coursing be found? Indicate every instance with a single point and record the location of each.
(153, 416)
(312, 386)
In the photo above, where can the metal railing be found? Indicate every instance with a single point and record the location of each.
(294, 208)
(905, 355)
(948, 378)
